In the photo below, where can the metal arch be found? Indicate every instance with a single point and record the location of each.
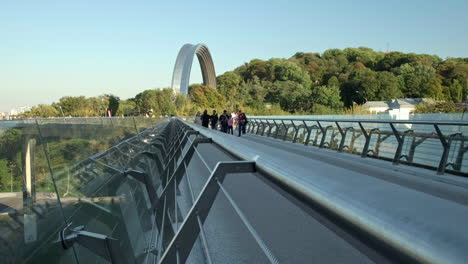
(183, 66)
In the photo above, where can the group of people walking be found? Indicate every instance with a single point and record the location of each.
(226, 122)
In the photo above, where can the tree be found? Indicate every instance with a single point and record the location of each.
(362, 86)
(76, 106)
(99, 104)
(439, 107)
(388, 86)
(159, 101)
(228, 85)
(113, 105)
(165, 102)
(127, 108)
(333, 81)
(43, 110)
(391, 60)
(10, 141)
(420, 80)
(285, 70)
(291, 96)
(255, 67)
(327, 95)
(456, 91)
(312, 63)
(455, 69)
(206, 97)
(253, 92)
(366, 56)
(184, 107)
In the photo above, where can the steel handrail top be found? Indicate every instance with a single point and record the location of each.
(416, 122)
(59, 119)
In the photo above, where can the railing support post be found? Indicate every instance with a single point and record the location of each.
(461, 153)
(401, 140)
(324, 134)
(446, 145)
(367, 136)
(296, 131)
(181, 244)
(309, 130)
(343, 136)
(264, 127)
(285, 130)
(276, 130)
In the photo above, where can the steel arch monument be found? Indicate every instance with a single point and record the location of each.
(183, 65)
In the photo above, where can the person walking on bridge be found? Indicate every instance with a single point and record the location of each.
(240, 122)
(205, 118)
(230, 125)
(223, 120)
(214, 120)
(197, 119)
(244, 117)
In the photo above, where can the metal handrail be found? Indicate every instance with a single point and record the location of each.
(416, 122)
(446, 141)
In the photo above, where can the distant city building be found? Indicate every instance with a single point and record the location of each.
(19, 110)
(13, 112)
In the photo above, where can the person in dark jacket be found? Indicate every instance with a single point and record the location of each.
(245, 123)
(223, 120)
(240, 122)
(205, 118)
(214, 120)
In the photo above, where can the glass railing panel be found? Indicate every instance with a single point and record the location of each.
(30, 212)
(117, 205)
(88, 157)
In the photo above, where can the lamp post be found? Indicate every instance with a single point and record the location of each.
(61, 110)
(12, 166)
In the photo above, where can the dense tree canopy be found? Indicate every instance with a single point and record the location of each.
(159, 102)
(358, 75)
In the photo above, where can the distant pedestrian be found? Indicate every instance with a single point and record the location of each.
(205, 118)
(214, 120)
(223, 120)
(197, 119)
(244, 117)
(234, 118)
(240, 122)
(230, 125)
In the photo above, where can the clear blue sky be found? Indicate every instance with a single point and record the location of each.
(50, 49)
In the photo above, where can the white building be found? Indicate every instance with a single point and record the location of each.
(376, 107)
(401, 108)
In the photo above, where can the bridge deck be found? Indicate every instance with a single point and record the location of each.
(293, 234)
(446, 186)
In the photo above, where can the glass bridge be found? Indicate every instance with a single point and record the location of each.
(163, 190)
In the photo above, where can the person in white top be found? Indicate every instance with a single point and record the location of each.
(197, 119)
(234, 118)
